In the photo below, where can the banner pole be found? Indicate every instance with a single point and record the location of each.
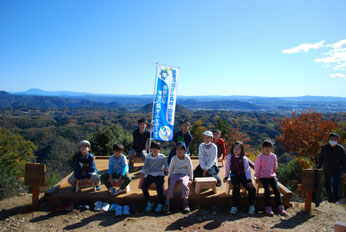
(152, 111)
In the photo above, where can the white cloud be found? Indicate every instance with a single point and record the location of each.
(338, 45)
(303, 47)
(340, 67)
(338, 75)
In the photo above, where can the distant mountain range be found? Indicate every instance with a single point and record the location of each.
(40, 98)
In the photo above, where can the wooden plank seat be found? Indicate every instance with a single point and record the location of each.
(260, 185)
(205, 183)
(220, 161)
(89, 183)
(116, 184)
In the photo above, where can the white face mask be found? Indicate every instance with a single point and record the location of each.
(332, 142)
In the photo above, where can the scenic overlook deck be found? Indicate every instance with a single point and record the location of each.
(63, 191)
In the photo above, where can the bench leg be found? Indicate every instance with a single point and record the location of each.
(197, 188)
(77, 186)
(214, 188)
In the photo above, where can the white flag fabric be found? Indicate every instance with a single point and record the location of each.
(164, 105)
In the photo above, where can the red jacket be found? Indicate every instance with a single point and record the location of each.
(221, 148)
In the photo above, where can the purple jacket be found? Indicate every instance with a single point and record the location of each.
(246, 167)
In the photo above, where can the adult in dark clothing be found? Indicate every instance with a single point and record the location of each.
(333, 159)
(184, 136)
(140, 137)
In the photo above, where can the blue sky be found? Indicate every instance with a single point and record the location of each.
(261, 48)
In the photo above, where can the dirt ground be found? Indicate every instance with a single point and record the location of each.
(15, 215)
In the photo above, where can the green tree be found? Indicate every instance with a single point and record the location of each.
(102, 141)
(15, 152)
(197, 131)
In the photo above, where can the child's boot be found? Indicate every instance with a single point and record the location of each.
(281, 210)
(269, 211)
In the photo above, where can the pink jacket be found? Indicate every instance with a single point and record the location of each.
(265, 166)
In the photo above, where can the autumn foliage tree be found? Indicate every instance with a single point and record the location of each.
(305, 133)
(230, 133)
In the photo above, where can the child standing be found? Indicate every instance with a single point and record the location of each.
(117, 168)
(220, 143)
(238, 164)
(207, 154)
(265, 171)
(155, 165)
(180, 170)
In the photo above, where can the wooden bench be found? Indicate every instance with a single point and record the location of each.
(87, 184)
(116, 184)
(220, 161)
(205, 183)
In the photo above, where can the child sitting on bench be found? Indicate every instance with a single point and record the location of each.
(118, 168)
(84, 168)
(180, 170)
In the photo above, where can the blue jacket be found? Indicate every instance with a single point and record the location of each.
(83, 167)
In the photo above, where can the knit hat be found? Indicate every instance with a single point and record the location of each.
(84, 142)
(208, 133)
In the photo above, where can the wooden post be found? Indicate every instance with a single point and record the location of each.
(308, 186)
(308, 200)
(35, 176)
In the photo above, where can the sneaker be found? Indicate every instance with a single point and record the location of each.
(60, 208)
(117, 192)
(186, 208)
(126, 210)
(112, 207)
(105, 207)
(149, 206)
(98, 188)
(80, 205)
(68, 206)
(337, 203)
(118, 210)
(86, 206)
(158, 208)
(112, 190)
(166, 208)
(233, 211)
(98, 205)
(251, 210)
(269, 211)
(281, 210)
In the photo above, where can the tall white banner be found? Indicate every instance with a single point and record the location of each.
(164, 103)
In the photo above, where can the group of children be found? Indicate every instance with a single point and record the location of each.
(180, 169)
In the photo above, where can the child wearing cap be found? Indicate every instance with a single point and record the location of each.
(155, 165)
(117, 168)
(207, 154)
(180, 170)
(84, 167)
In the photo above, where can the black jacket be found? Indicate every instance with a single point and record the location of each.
(332, 158)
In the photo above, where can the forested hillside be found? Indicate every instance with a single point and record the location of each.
(55, 132)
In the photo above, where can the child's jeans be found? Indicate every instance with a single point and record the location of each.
(271, 181)
(159, 181)
(236, 181)
(126, 179)
(93, 178)
(213, 171)
(184, 182)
